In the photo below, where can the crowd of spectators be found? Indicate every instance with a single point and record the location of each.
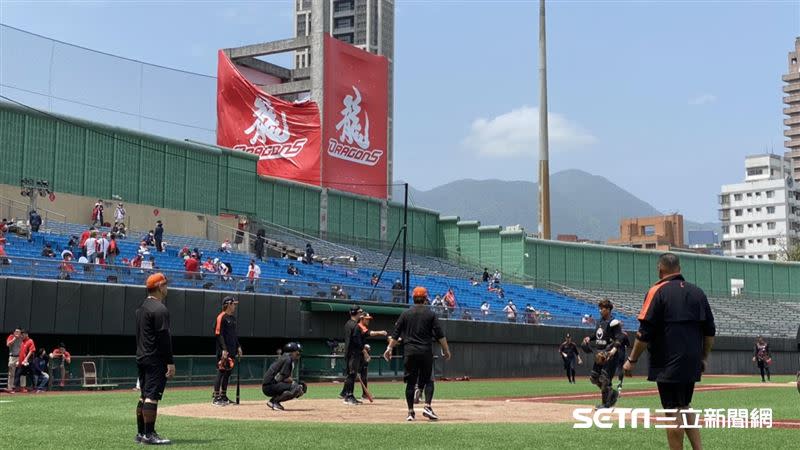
(32, 369)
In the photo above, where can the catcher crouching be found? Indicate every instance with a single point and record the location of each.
(605, 344)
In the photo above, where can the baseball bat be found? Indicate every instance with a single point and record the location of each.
(364, 387)
(238, 377)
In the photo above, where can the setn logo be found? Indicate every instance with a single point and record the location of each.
(350, 133)
(270, 134)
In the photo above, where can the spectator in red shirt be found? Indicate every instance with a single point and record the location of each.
(66, 268)
(136, 261)
(192, 266)
(60, 358)
(84, 236)
(26, 353)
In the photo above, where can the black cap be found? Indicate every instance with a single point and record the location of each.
(355, 309)
(292, 347)
(229, 300)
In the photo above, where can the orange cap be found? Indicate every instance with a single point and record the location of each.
(419, 291)
(155, 280)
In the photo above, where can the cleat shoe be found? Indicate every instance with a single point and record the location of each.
(218, 402)
(411, 416)
(428, 412)
(138, 438)
(612, 400)
(275, 406)
(417, 395)
(226, 400)
(154, 439)
(352, 401)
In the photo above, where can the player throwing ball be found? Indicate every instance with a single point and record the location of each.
(605, 344)
(418, 326)
(278, 384)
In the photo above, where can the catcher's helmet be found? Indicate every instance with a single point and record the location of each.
(292, 347)
(225, 363)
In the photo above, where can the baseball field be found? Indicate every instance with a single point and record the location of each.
(529, 413)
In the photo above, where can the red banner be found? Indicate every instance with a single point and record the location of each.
(285, 135)
(356, 120)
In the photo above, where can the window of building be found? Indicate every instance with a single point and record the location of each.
(749, 210)
(770, 210)
(758, 241)
(772, 241)
(737, 212)
(755, 171)
(342, 6)
(650, 246)
(737, 196)
(751, 257)
(724, 199)
(758, 194)
(758, 210)
(343, 22)
(345, 37)
(758, 256)
(739, 244)
(726, 229)
(770, 194)
(770, 225)
(750, 225)
(649, 230)
(758, 225)
(749, 241)
(749, 194)
(740, 228)
(772, 256)
(740, 257)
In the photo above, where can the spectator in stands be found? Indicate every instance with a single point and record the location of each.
(224, 270)
(47, 251)
(473, 281)
(239, 236)
(225, 247)
(485, 274)
(198, 253)
(137, 261)
(209, 266)
(398, 291)
(374, 279)
(66, 269)
(35, 221)
(485, 309)
(102, 248)
(337, 292)
(438, 306)
(60, 359)
(292, 270)
(91, 248)
(511, 311)
(119, 214)
(158, 235)
(531, 314)
(72, 244)
(14, 343)
(84, 237)
(3, 260)
(149, 239)
(97, 213)
(147, 264)
(253, 274)
(450, 301)
(192, 266)
(121, 232)
(466, 315)
(309, 256)
(39, 370)
(259, 245)
(587, 320)
(496, 277)
(184, 252)
(27, 350)
(3, 227)
(143, 250)
(113, 249)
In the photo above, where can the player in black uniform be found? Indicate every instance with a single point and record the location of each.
(762, 357)
(153, 358)
(363, 327)
(569, 352)
(227, 344)
(605, 343)
(625, 344)
(354, 354)
(355, 315)
(418, 326)
(278, 384)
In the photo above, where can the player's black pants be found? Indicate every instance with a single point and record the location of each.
(764, 368)
(601, 376)
(221, 384)
(281, 392)
(354, 363)
(569, 367)
(418, 369)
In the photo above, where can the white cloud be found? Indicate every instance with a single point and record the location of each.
(516, 133)
(703, 99)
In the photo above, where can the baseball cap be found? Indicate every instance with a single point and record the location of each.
(366, 315)
(355, 310)
(156, 280)
(419, 291)
(229, 300)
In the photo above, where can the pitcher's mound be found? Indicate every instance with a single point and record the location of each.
(381, 411)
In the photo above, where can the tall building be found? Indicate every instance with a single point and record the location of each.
(656, 233)
(761, 216)
(368, 25)
(791, 98)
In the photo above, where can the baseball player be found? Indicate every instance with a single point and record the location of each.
(762, 357)
(352, 322)
(363, 326)
(227, 343)
(355, 354)
(605, 343)
(569, 352)
(278, 384)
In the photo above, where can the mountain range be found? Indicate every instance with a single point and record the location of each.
(587, 205)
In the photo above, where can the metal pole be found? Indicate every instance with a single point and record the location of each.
(406, 277)
(544, 164)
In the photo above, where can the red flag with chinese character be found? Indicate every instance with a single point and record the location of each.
(285, 136)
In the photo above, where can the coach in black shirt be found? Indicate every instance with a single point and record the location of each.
(677, 328)
(419, 327)
(153, 358)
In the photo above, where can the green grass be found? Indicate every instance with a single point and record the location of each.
(105, 420)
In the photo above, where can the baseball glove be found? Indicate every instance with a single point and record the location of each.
(303, 385)
(600, 357)
(225, 364)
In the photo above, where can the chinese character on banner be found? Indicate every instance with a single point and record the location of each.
(665, 421)
(714, 418)
(695, 423)
(738, 418)
(761, 418)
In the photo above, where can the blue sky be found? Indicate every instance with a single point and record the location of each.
(663, 98)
